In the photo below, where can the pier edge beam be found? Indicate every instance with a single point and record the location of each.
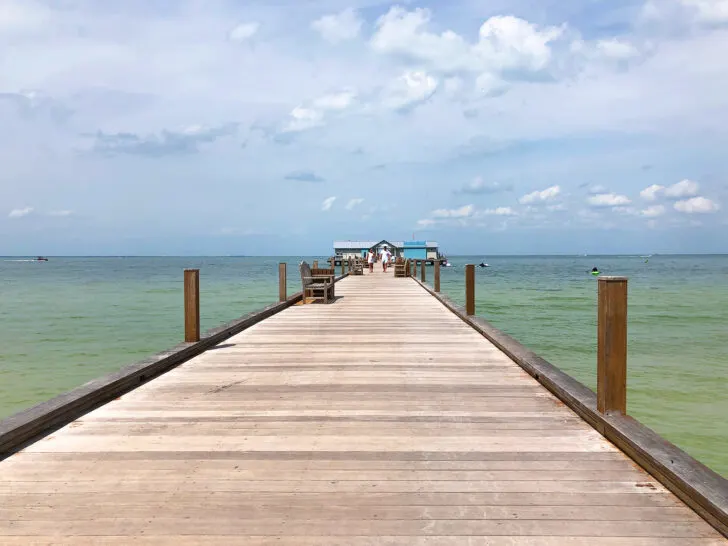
(612, 345)
(282, 278)
(192, 305)
(470, 289)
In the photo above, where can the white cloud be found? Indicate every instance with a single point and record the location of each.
(480, 186)
(491, 85)
(608, 200)
(704, 12)
(543, 195)
(339, 27)
(19, 213)
(354, 203)
(625, 210)
(463, 212)
(505, 43)
(426, 222)
(650, 192)
(302, 119)
(500, 211)
(709, 11)
(20, 16)
(61, 213)
(616, 49)
(335, 101)
(328, 203)
(410, 89)
(653, 211)
(697, 205)
(453, 86)
(244, 31)
(684, 188)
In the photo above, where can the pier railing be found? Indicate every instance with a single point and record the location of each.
(704, 490)
(29, 425)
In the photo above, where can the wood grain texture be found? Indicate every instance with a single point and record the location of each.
(282, 278)
(696, 485)
(470, 289)
(337, 424)
(612, 345)
(192, 305)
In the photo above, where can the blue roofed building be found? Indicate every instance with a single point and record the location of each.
(417, 250)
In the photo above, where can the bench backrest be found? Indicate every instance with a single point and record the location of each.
(305, 274)
(321, 272)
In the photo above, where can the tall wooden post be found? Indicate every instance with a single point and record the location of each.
(437, 276)
(612, 345)
(315, 264)
(470, 289)
(282, 277)
(342, 266)
(423, 277)
(348, 264)
(192, 305)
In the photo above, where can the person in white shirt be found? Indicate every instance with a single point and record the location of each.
(385, 258)
(370, 260)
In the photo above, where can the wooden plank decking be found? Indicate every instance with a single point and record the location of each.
(381, 419)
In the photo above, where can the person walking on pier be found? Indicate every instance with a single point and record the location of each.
(385, 258)
(370, 260)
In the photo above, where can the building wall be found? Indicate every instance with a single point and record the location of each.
(347, 253)
(432, 254)
(415, 253)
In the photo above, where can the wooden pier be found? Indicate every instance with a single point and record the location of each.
(381, 419)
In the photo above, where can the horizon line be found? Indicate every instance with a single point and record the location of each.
(627, 254)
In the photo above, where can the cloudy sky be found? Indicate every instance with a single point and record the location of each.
(276, 126)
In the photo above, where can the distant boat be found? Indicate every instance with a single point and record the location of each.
(483, 264)
(41, 259)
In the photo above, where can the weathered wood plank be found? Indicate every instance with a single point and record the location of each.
(327, 424)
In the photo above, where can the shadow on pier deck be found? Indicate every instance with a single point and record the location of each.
(381, 419)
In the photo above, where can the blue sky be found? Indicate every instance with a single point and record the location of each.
(274, 127)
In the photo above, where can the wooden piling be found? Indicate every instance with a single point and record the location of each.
(192, 305)
(612, 345)
(342, 266)
(437, 276)
(470, 289)
(282, 276)
(423, 277)
(315, 264)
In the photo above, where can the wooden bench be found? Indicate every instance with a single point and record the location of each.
(358, 267)
(325, 272)
(316, 287)
(400, 267)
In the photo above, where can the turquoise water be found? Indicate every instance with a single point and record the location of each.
(69, 320)
(677, 332)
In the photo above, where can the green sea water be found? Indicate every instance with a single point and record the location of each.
(69, 320)
(677, 332)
